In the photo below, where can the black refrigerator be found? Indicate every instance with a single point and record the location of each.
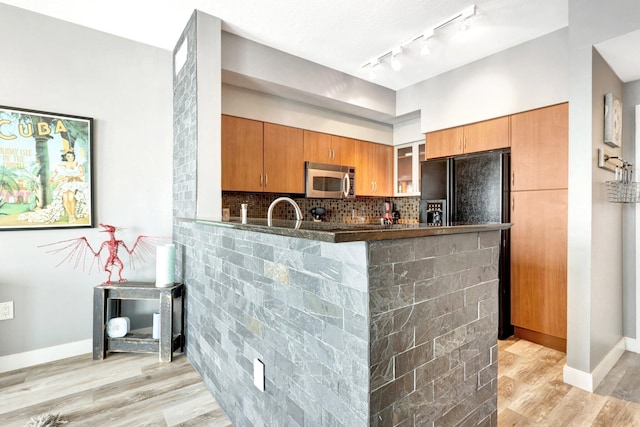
(472, 189)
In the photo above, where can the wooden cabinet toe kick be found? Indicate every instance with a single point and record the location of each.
(550, 341)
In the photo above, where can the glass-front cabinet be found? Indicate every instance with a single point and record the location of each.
(407, 170)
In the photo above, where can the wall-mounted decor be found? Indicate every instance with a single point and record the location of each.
(45, 170)
(612, 120)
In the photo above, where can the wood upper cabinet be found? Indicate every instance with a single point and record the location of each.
(539, 263)
(260, 157)
(317, 147)
(324, 148)
(242, 160)
(283, 159)
(444, 143)
(344, 150)
(374, 169)
(473, 138)
(487, 135)
(539, 148)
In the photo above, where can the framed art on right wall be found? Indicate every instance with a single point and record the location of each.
(612, 120)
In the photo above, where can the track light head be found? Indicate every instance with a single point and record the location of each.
(396, 64)
(426, 42)
(465, 15)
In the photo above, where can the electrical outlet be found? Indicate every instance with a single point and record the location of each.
(258, 374)
(6, 310)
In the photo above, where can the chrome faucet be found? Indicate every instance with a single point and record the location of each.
(291, 202)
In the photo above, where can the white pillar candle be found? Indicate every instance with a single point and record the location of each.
(165, 265)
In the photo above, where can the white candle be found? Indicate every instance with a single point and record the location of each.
(165, 265)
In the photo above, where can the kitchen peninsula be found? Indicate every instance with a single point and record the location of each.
(394, 324)
(354, 328)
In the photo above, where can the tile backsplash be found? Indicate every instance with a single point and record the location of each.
(363, 210)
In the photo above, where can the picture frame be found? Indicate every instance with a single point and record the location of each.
(46, 170)
(612, 120)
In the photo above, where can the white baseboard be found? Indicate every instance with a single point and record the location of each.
(44, 355)
(591, 381)
(632, 344)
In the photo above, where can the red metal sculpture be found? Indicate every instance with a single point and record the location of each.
(78, 249)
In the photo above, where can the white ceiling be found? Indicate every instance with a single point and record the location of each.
(341, 34)
(618, 54)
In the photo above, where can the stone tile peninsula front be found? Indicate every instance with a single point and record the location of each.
(387, 331)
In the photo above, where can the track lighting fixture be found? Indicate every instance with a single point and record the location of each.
(426, 43)
(396, 64)
(425, 49)
(372, 73)
(465, 15)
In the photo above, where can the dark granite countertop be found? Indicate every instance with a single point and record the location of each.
(340, 232)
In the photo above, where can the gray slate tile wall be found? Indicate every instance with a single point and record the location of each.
(299, 306)
(433, 337)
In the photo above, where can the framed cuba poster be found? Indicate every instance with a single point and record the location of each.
(45, 170)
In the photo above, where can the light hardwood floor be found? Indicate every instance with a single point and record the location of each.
(122, 390)
(531, 391)
(136, 390)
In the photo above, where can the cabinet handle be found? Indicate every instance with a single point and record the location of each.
(513, 204)
(333, 154)
(266, 180)
(459, 143)
(513, 178)
(464, 145)
(261, 180)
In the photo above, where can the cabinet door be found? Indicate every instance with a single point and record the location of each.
(487, 135)
(241, 153)
(383, 169)
(374, 169)
(343, 150)
(317, 147)
(539, 261)
(365, 185)
(405, 169)
(540, 148)
(443, 143)
(283, 159)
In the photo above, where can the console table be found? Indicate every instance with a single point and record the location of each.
(141, 340)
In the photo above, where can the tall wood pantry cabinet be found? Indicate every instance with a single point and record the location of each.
(539, 182)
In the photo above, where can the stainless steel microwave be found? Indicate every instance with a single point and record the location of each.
(326, 181)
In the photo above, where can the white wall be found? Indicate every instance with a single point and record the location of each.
(606, 229)
(590, 332)
(531, 75)
(631, 99)
(126, 88)
(209, 94)
(237, 101)
(255, 66)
